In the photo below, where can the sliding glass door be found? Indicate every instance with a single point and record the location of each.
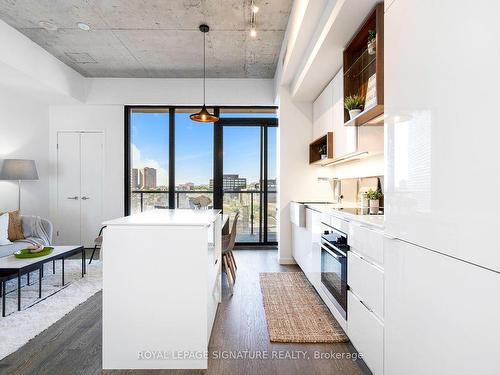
(173, 162)
(249, 174)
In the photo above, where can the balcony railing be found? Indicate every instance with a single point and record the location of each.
(247, 202)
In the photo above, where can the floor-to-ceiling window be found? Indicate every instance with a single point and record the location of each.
(173, 162)
(149, 164)
(194, 156)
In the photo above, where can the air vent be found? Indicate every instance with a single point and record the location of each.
(81, 57)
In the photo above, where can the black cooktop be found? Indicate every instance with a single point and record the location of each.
(356, 211)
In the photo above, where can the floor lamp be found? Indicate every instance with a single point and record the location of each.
(20, 170)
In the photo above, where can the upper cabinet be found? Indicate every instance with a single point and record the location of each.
(364, 70)
(323, 112)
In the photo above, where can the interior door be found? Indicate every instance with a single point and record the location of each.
(68, 189)
(91, 156)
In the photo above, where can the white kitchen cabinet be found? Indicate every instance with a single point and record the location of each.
(367, 242)
(441, 314)
(437, 139)
(366, 332)
(323, 112)
(345, 137)
(328, 115)
(366, 280)
(302, 245)
(365, 300)
(315, 219)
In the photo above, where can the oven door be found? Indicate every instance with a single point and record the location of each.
(334, 275)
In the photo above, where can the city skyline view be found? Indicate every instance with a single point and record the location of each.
(194, 149)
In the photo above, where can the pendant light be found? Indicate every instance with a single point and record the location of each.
(204, 115)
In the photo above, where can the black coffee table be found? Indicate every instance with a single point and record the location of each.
(12, 267)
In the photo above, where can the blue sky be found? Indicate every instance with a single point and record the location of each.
(194, 148)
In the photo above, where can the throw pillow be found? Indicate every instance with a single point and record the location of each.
(15, 226)
(4, 229)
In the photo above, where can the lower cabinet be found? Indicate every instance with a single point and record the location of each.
(366, 333)
(442, 315)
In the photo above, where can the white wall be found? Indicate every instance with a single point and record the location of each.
(37, 65)
(153, 91)
(108, 119)
(24, 134)
(297, 179)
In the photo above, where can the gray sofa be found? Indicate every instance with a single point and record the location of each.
(6, 250)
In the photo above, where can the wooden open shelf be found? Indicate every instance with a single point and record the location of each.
(372, 116)
(314, 153)
(359, 66)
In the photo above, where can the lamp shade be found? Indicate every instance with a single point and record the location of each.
(18, 169)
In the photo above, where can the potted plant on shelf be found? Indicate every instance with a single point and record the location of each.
(372, 40)
(354, 104)
(374, 198)
(322, 152)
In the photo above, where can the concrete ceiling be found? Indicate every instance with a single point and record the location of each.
(155, 38)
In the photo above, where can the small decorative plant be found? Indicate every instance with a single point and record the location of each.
(374, 194)
(354, 104)
(374, 197)
(323, 151)
(372, 37)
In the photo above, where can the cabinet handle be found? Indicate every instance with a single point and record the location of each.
(365, 305)
(74, 198)
(216, 261)
(85, 198)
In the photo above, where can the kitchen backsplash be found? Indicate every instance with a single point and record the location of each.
(351, 189)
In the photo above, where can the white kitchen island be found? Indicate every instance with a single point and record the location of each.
(161, 288)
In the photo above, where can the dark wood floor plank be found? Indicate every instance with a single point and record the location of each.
(73, 344)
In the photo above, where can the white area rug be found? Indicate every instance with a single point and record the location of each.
(19, 327)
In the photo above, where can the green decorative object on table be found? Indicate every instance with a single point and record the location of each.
(26, 253)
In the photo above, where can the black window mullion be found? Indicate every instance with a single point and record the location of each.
(260, 182)
(265, 184)
(218, 163)
(171, 157)
(128, 171)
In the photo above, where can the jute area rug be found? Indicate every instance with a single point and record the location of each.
(295, 312)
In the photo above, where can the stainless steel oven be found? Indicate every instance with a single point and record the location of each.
(334, 250)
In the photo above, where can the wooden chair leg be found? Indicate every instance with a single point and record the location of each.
(234, 260)
(228, 273)
(231, 267)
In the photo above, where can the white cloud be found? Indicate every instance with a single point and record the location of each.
(137, 162)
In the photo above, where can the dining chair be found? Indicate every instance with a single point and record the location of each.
(228, 261)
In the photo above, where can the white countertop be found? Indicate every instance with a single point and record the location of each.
(330, 209)
(162, 217)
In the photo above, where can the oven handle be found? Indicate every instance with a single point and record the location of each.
(331, 252)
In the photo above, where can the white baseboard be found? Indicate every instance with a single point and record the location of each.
(287, 261)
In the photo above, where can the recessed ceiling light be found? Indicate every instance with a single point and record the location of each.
(47, 25)
(83, 26)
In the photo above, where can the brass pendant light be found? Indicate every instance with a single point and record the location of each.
(204, 115)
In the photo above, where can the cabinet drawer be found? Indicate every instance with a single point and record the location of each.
(368, 242)
(338, 224)
(367, 282)
(366, 333)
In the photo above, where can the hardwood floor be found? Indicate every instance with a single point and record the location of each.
(73, 344)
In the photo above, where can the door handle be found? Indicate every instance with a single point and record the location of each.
(74, 198)
(85, 198)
